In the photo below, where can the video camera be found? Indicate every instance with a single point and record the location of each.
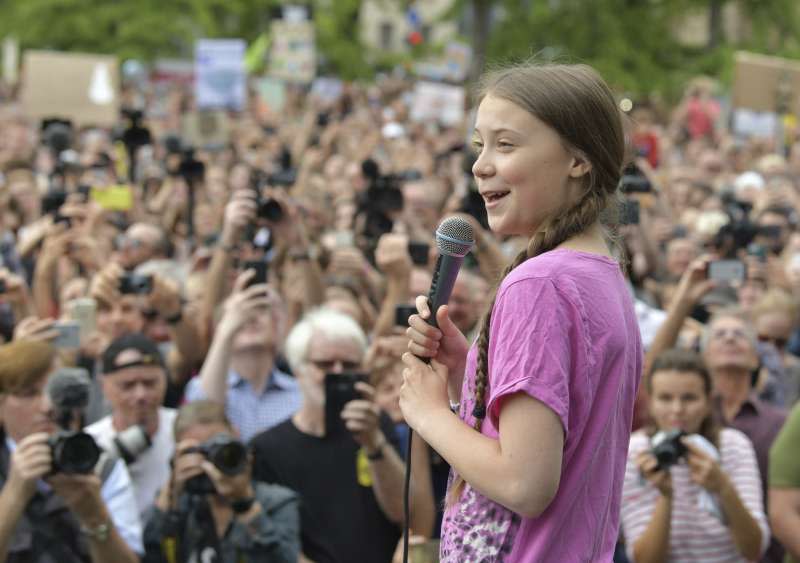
(668, 448)
(226, 453)
(187, 167)
(73, 451)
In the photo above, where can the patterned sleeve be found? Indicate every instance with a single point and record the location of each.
(638, 496)
(739, 462)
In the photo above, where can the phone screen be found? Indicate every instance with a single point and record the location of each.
(726, 271)
(260, 268)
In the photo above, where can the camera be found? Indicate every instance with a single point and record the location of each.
(130, 443)
(668, 448)
(226, 453)
(634, 181)
(135, 284)
(73, 452)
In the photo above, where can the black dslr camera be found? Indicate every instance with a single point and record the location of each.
(73, 451)
(226, 453)
(669, 449)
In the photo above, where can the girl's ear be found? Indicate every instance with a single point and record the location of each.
(580, 167)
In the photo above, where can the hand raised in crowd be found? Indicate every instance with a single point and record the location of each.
(84, 250)
(16, 290)
(391, 256)
(231, 487)
(245, 303)
(186, 464)
(694, 283)
(661, 479)
(703, 469)
(34, 328)
(362, 416)
(239, 213)
(105, 284)
(31, 461)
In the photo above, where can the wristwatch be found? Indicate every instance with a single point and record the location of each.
(378, 453)
(99, 532)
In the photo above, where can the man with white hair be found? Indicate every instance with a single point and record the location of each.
(349, 478)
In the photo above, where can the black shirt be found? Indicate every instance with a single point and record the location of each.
(340, 519)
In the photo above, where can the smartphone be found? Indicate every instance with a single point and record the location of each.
(634, 181)
(83, 311)
(402, 313)
(340, 389)
(69, 335)
(419, 252)
(261, 269)
(727, 271)
(629, 213)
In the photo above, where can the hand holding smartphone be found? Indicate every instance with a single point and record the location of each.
(727, 271)
(340, 389)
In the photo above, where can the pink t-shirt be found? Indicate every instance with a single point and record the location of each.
(563, 331)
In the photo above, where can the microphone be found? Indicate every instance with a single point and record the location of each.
(454, 239)
(68, 389)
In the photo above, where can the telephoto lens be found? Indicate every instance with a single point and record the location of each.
(226, 453)
(130, 443)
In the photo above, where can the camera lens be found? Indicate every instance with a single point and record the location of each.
(270, 210)
(230, 458)
(74, 452)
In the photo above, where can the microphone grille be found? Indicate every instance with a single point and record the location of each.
(455, 237)
(69, 388)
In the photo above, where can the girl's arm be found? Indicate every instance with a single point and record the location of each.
(515, 471)
(653, 545)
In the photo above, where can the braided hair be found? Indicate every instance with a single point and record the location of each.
(575, 102)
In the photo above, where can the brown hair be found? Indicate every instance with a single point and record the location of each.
(688, 362)
(579, 106)
(199, 412)
(24, 363)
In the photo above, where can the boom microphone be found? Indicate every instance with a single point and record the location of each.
(454, 238)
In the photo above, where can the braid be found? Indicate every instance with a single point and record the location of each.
(563, 227)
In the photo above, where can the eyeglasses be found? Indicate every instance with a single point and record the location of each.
(779, 343)
(328, 365)
(722, 333)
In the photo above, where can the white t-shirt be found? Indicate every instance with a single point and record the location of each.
(151, 470)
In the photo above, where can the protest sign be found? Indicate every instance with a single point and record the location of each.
(766, 84)
(326, 89)
(206, 129)
(293, 53)
(272, 92)
(80, 87)
(220, 79)
(10, 60)
(438, 102)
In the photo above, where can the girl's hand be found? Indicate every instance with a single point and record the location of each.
(446, 344)
(424, 391)
(659, 478)
(703, 469)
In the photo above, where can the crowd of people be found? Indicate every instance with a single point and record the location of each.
(239, 315)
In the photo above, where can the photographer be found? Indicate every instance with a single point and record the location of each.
(694, 494)
(52, 516)
(339, 450)
(211, 509)
(134, 382)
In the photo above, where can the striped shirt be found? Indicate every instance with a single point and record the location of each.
(695, 535)
(251, 412)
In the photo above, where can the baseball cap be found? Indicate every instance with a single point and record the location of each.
(148, 353)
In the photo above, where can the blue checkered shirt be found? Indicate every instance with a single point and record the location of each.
(249, 412)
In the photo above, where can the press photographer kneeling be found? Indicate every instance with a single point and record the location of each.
(57, 502)
(211, 509)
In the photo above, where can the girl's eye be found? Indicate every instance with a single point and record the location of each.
(504, 144)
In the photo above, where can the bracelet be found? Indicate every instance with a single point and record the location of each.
(378, 453)
(99, 532)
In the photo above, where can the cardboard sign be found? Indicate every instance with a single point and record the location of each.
(438, 102)
(206, 129)
(293, 53)
(272, 92)
(766, 84)
(79, 87)
(220, 79)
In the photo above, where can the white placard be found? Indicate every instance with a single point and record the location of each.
(438, 102)
(220, 76)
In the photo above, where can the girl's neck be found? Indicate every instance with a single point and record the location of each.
(591, 240)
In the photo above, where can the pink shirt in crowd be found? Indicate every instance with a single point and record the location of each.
(563, 331)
